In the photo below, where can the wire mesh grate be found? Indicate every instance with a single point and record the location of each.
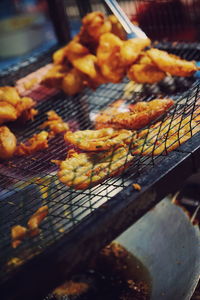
(28, 183)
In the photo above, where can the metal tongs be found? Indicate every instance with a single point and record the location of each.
(131, 29)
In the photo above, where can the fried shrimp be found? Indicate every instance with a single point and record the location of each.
(8, 142)
(38, 142)
(145, 71)
(55, 124)
(131, 49)
(98, 140)
(164, 137)
(172, 64)
(141, 114)
(108, 57)
(84, 170)
(12, 106)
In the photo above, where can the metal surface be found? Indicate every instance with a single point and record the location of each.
(168, 252)
(81, 222)
(131, 29)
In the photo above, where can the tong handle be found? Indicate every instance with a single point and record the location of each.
(131, 29)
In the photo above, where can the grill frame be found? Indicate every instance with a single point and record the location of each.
(132, 204)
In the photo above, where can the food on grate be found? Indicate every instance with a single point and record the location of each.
(145, 71)
(83, 170)
(54, 76)
(12, 106)
(71, 288)
(72, 82)
(104, 116)
(172, 64)
(166, 136)
(108, 57)
(55, 124)
(8, 142)
(98, 140)
(141, 114)
(136, 186)
(37, 142)
(36, 219)
(18, 233)
(131, 49)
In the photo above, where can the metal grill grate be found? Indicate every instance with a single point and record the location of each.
(29, 182)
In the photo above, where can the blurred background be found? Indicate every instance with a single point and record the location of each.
(31, 27)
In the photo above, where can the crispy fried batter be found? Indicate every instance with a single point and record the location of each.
(73, 82)
(131, 49)
(164, 137)
(172, 64)
(103, 118)
(55, 124)
(141, 115)
(83, 170)
(75, 50)
(8, 142)
(38, 142)
(108, 57)
(86, 65)
(145, 71)
(36, 219)
(98, 140)
(54, 77)
(12, 106)
(59, 56)
(18, 233)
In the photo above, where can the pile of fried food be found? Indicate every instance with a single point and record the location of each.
(100, 54)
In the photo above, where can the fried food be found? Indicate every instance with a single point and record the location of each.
(103, 118)
(131, 49)
(86, 65)
(54, 77)
(108, 57)
(36, 219)
(84, 170)
(59, 56)
(141, 114)
(73, 82)
(98, 140)
(55, 124)
(162, 138)
(145, 71)
(8, 142)
(172, 64)
(75, 50)
(38, 142)
(18, 233)
(116, 27)
(12, 106)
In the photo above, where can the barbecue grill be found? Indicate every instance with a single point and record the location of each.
(82, 222)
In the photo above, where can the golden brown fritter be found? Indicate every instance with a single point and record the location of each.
(12, 106)
(84, 170)
(38, 142)
(171, 64)
(116, 27)
(162, 138)
(53, 78)
(59, 56)
(108, 57)
(103, 117)
(98, 140)
(145, 71)
(36, 219)
(73, 82)
(141, 114)
(18, 233)
(87, 65)
(75, 50)
(131, 49)
(55, 124)
(8, 142)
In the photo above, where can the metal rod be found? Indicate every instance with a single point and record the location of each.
(130, 28)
